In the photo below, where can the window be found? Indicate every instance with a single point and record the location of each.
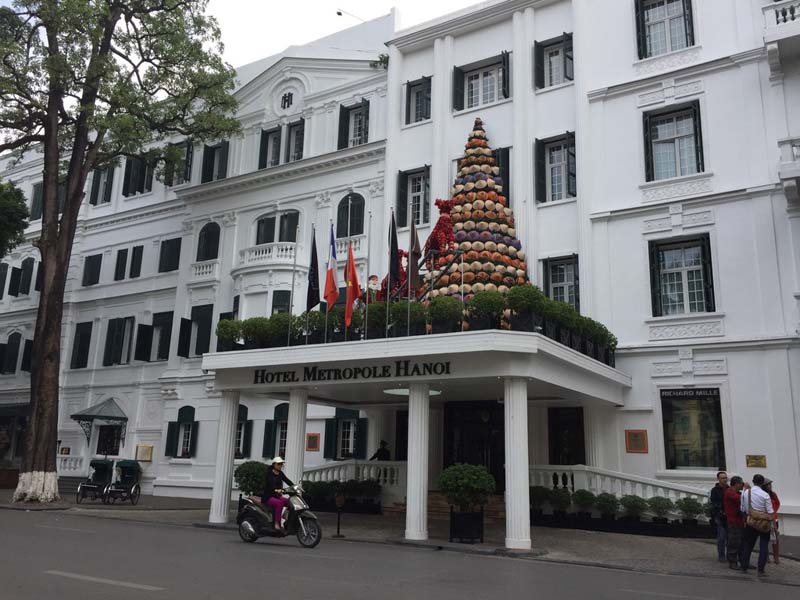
(482, 83)
(265, 230)
(283, 428)
(269, 153)
(294, 150)
(208, 242)
(418, 100)
(561, 280)
(350, 216)
(136, 262)
(353, 125)
(215, 162)
(121, 264)
(181, 441)
(244, 434)
(152, 341)
(201, 319)
(36, 201)
(91, 269)
(3, 276)
(413, 193)
(347, 438)
(663, 26)
(673, 143)
(80, 345)
(179, 170)
(288, 226)
(26, 275)
(11, 357)
(281, 300)
(556, 169)
(102, 182)
(693, 437)
(170, 256)
(119, 341)
(138, 177)
(109, 438)
(553, 61)
(681, 278)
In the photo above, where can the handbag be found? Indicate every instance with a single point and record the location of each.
(757, 519)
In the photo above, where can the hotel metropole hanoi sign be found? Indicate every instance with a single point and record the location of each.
(400, 369)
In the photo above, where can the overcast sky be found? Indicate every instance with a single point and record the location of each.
(253, 29)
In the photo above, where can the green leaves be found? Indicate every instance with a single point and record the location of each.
(250, 477)
(466, 486)
(15, 217)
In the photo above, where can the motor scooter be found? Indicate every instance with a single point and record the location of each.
(255, 520)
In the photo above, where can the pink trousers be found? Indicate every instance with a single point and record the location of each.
(277, 505)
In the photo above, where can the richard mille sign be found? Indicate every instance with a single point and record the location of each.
(400, 368)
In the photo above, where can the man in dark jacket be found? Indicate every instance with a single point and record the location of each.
(718, 513)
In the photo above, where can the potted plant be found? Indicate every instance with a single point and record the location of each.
(608, 505)
(525, 302)
(229, 332)
(376, 320)
(689, 508)
(249, 477)
(633, 507)
(539, 495)
(312, 327)
(485, 310)
(408, 318)
(560, 500)
(256, 332)
(465, 487)
(660, 507)
(282, 329)
(584, 502)
(445, 314)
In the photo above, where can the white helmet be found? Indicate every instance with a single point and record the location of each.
(278, 460)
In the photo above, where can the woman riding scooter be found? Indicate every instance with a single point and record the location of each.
(273, 496)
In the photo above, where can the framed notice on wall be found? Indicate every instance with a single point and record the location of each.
(312, 442)
(144, 453)
(636, 441)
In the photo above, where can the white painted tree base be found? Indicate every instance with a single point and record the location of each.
(38, 486)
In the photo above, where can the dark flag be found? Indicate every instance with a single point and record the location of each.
(394, 257)
(312, 298)
(414, 256)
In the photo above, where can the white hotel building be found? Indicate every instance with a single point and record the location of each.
(651, 153)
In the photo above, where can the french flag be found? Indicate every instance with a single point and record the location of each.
(331, 285)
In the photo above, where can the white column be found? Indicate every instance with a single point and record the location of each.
(223, 471)
(436, 452)
(296, 434)
(417, 476)
(376, 418)
(518, 518)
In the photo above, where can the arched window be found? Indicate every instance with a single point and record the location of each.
(350, 216)
(244, 433)
(208, 242)
(288, 228)
(182, 434)
(26, 276)
(12, 353)
(265, 230)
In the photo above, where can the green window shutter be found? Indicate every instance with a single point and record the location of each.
(262, 149)
(402, 199)
(503, 160)
(208, 164)
(648, 148)
(95, 193)
(222, 165)
(109, 184)
(688, 22)
(698, 135)
(144, 342)
(344, 127)
(136, 262)
(193, 440)
(265, 230)
(80, 345)
(576, 271)
(187, 165)
(268, 448)
(346, 413)
(27, 275)
(2, 358)
(546, 277)
(361, 439)
(36, 202)
(37, 284)
(3, 275)
(505, 81)
(108, 350)
(409, 86)
(708, 272)
(171, 443)
(572, 179)
(202, 316)
(641, 30)
(655, 279)
(569, 62)
(331, 434)
(365, 105)
(27, 350)
(248, 439)
(185, 338)
(126, 179)
(13, 282)
(538, 65)
(119, 267)
(281, 412)
(458, 89)
(164, 322)
(12, 353)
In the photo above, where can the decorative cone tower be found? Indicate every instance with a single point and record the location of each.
(482, 252)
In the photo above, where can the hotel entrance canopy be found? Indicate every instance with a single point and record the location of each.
(461, 366)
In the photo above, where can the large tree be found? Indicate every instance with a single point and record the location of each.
(84, 82)
(15, 217)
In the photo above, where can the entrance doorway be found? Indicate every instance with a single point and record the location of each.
(565, 436)
(474, 434)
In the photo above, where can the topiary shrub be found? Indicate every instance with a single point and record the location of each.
(250, 477)
(583, 500)
(660, 506)
(690, 507)
(485, 310)
(282, 328)
(607, 504)
(525, 299)
(445, 314)
(311, 325)
(229, 330)
(376, 320)
(408, 318)
(634, 506)
(539, 495)
(466, 486)
(256, 332)
(560, 499)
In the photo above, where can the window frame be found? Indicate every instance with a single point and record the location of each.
(165, 263)
(502, 62)
(269, 151)
(116, 440)
(656, 247)
(92, 271)
(137, 177)
(215, 161)
(356, 127)
(640, 7)
(208, 240)
(543, 176)
(353, 220)
(340, 434)
(281, 301)
(295, 132)
(648, 123)
(547, 272)
(420, 88)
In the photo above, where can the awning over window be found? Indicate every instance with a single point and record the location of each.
(107, 412)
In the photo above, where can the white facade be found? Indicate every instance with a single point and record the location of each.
(725, 200)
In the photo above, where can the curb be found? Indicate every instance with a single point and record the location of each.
(30, 508)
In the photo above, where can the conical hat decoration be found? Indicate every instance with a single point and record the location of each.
(486, 255)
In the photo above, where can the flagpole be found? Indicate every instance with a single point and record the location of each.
(347, 263)
(327, 308)
(291, 291)
(366, 310)
(462, 291)
(411, 221)
(389, 275)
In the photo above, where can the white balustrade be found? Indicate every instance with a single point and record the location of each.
(207, 269)
(778, 14)
(265, 254)
(359, 246)
(390, 474)
(70, 466)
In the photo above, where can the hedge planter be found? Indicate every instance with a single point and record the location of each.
(576, 341)
(525, 322)
(466, 527)
(445, 327)
(551, 329)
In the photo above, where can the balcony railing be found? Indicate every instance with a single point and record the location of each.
(781, 19)
(70, 466)
(789, 168)
(206, 270)
(268, 254)
(359, 246)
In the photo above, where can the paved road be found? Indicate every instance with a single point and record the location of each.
(71, 557)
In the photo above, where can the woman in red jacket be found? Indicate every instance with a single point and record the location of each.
(774, 537)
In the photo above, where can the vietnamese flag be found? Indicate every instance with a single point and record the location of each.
(353, 289)
(331, 285)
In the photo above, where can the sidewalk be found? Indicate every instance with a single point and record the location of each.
(610, 550)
